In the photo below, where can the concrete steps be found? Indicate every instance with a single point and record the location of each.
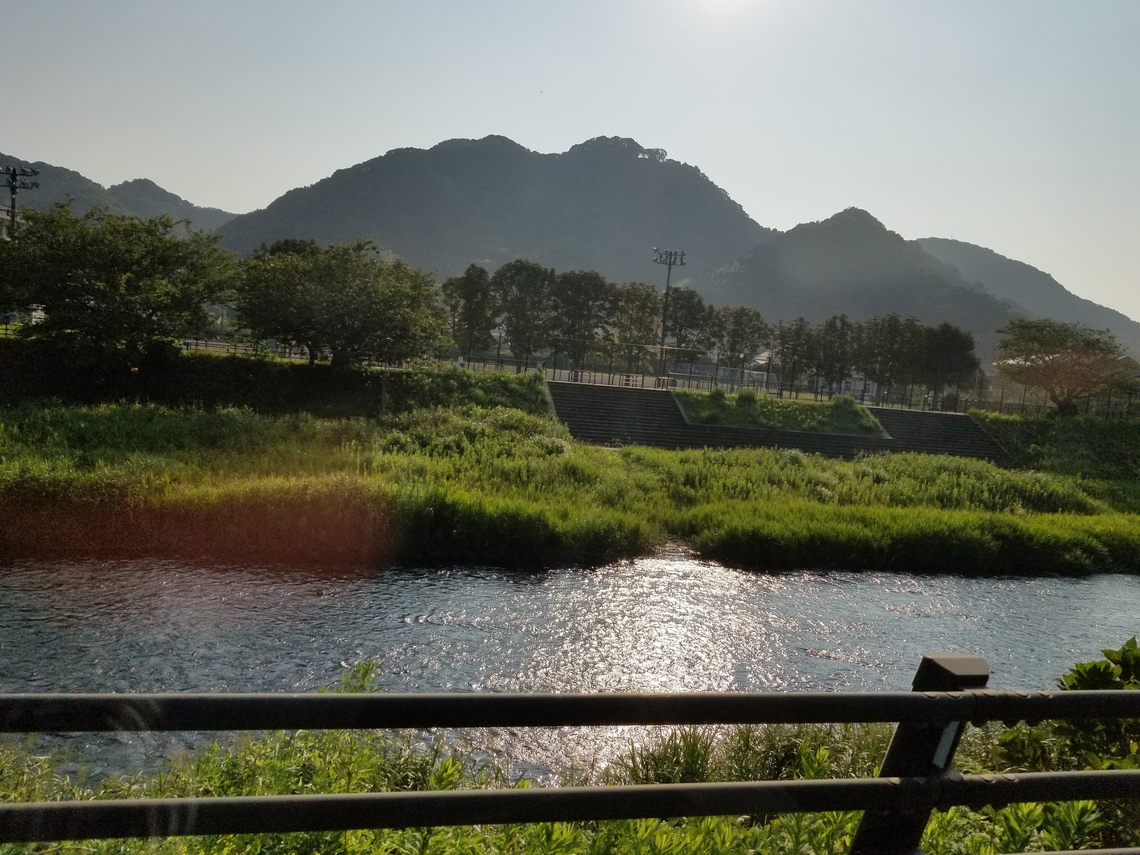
(939, 433)
(615, 416)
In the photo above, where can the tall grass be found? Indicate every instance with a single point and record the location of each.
(501, 485)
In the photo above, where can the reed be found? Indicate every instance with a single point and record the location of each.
(501, 485)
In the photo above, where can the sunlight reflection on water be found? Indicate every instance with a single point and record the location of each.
(669, 623)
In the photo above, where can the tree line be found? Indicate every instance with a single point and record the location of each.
(125, 290)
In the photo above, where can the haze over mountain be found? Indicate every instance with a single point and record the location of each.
(1031, 291)
(603, 205)
(850, 263)
(141, 197)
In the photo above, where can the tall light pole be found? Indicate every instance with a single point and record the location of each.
(670, 258)
(16, 180)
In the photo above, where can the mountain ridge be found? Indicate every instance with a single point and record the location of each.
(602, 205)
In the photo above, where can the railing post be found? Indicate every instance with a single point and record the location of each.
(919, 750)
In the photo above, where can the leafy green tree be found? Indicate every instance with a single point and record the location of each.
(471, 309)
(112, 288)
(742, 334)
(691, 322)
(795, 346)
(834, 356)
(522, 291)
(631, 324)
(947, 357)
(1068, 362)
(342, 299)
(888, 351)
(579, 299)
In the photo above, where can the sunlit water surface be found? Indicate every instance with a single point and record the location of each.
(670, 623)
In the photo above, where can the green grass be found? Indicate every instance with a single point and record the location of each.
(758, 410)
(501, 485)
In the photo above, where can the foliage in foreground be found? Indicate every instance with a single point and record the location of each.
(372, 761)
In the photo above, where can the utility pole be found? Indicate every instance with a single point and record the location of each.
(16, 179)
(670, 258)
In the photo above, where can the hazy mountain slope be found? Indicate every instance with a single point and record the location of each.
(60, 185)
(146, 199)
(141, 197)
(603, 205)
(1032, 289)
(851, 263)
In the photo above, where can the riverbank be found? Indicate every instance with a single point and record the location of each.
(489, 479)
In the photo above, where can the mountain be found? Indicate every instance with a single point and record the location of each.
(144, 198)
(141, 197)
(60, 185)
(602, 205)
(851, 263)
(1033, 292)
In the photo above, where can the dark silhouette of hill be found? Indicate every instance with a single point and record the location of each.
(1033, 292)
(144, 198)
(61, 185)
(141, 197)
(602, 205)
(851, 263)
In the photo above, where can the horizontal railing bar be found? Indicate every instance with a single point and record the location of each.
(53, 821)
(28, 713)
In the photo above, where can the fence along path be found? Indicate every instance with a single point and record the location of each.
(949, 690)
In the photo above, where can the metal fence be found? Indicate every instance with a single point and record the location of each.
(916, 778)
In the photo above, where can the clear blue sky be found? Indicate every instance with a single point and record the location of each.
(1013, 124)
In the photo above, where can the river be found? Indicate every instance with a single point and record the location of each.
(668, 623)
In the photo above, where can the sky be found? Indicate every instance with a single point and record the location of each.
(1014, 125)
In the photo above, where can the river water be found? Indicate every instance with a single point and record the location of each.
(669, 623)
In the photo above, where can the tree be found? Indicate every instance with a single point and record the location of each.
(114, 289)
(522, 290)
(795, 344)
(579, 300)
(471, 309)
(742, 333)
(835, 350)
(888, 351)
(631, 324)
(692, 324)
(947, 357)
(1069, 362)
(342, 299)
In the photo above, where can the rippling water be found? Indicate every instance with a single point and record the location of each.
(670, 623)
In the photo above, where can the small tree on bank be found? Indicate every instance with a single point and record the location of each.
(1068, 362)
(342, 299)
(113, 289)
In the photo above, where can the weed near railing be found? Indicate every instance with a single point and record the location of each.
(376, 764)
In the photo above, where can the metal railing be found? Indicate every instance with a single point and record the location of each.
(917, 776)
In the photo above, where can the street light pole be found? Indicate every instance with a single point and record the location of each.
(670, 258)
(15, 179)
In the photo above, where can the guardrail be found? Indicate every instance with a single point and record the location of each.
(916, 777)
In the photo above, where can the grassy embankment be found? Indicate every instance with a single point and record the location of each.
(464, 467)
(748, 409)
(356, 761)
